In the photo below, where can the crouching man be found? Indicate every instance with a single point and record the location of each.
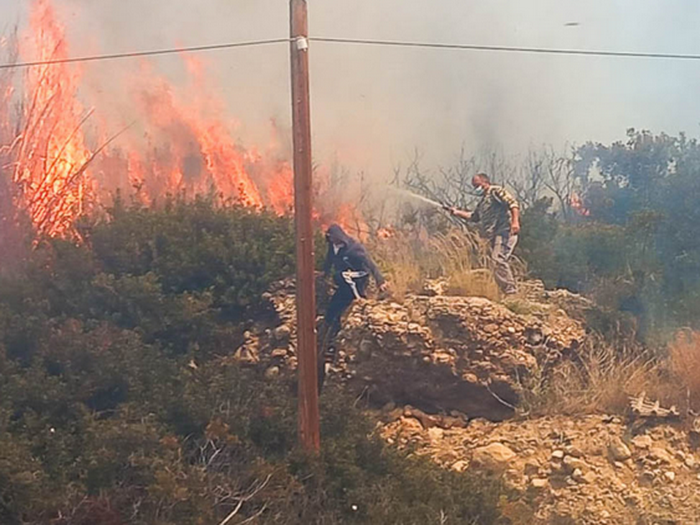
(351, 266)
(498, 217)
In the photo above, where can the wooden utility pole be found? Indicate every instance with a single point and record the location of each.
(309, 433)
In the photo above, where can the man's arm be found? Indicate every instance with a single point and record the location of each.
(376, 274)
(466, 215)
(328, 263)
(515, 220)
(508, 200)
(363, 259)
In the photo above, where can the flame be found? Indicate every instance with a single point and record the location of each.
(186, 145)
(51, 156)
(577, 205)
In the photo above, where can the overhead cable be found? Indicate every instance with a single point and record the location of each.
(358, 41)
(150, 53)
(507, 49)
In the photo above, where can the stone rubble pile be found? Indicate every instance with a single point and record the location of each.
(442, 354)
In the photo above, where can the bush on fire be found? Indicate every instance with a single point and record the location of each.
(104, 419)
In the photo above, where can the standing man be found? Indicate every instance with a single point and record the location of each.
(353, 266)
(498, 216)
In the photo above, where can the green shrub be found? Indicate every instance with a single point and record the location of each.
(116, 408)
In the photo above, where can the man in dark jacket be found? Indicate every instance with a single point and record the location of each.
(353, 266)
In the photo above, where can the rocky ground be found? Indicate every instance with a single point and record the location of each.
(590, 470)
(447, 373)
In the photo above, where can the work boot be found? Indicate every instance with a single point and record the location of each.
(326, 362)
(330, 356)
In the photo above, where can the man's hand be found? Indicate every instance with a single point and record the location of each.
(467, 215)
(384, 287)
(514, 220)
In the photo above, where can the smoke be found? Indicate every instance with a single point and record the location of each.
(372, 107)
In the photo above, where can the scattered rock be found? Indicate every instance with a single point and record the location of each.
(531, 467)
(272, 372)
(574, 451)
(660, 454)
(539, 483)
(645, 490)
(461, 362)
(647, 478)
(279, 353)
(428, 421)
(571, 464)
(435, 433)
(618, 450)
(642, 442)
(493, 457)
(282, 334)
(590, 477)
(577, 476)
(460, 466)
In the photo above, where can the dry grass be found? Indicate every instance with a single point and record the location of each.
(600, 380)
(603, 378)
(684, 365)
(460, 257)
(399, 258)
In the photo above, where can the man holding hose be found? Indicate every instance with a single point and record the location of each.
(498, 217)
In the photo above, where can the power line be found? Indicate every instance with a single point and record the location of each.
(507, 49)
(356, 41)
(136, 54)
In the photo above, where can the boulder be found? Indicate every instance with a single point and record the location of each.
(618, 450)
(494, 457)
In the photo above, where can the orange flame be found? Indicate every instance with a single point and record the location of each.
(186, 146)
(577, 205)
(51, 155)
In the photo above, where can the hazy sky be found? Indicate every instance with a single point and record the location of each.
(373, 106)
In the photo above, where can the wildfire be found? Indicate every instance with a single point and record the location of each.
(50, 156)
(185, 146)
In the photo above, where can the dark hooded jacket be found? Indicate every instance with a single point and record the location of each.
(352, 255)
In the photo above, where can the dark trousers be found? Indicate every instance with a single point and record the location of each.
(340, 302)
